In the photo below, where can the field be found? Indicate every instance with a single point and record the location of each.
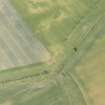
(17, 45)
(69, 32)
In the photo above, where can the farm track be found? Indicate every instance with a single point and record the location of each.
(82, 39)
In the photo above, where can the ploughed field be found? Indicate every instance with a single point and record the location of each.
(18, 47)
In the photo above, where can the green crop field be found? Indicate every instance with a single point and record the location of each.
(52, 52)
